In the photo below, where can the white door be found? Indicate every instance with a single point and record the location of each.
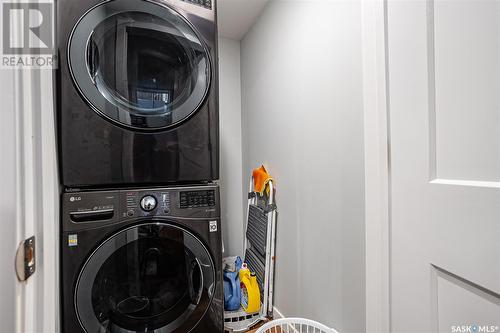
(444, 131)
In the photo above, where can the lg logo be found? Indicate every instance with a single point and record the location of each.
(73, 199)
(27, 28)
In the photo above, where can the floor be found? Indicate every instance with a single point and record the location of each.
(255, 328)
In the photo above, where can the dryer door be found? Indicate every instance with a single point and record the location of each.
(139, 64)
(154, 277)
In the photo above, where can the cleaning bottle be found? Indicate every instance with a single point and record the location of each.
(232, 290)
(250, 291)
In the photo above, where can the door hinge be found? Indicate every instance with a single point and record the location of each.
(25, 259)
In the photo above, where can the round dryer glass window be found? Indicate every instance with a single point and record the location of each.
(139, 64)
(154, 277)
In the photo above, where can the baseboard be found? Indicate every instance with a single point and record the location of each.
(277, 313)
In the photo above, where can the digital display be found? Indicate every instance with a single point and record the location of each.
(195, 199)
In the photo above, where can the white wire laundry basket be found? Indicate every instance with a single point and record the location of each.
(294, 325)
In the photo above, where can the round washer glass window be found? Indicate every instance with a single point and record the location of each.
(154, 277)
(145, 69)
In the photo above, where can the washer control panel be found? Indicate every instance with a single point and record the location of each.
(98, 208)
(175, 202)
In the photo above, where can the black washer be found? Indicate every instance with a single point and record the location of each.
(154, 272)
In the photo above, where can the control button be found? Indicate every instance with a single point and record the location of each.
(130, 213)
(166, 210)
(148, 203)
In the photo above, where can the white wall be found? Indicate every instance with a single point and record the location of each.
(302, 115)
(230, 145)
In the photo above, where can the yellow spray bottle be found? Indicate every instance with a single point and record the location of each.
(250, 292)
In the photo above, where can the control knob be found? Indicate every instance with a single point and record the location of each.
(148, 203)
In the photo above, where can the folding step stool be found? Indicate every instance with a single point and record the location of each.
(259, 248)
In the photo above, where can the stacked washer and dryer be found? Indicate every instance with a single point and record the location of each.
(138, 139)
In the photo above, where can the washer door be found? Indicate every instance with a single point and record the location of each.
(139, 63)
(153, 277)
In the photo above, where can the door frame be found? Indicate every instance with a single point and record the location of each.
(37, 198)
(377, 165)
(37, 195)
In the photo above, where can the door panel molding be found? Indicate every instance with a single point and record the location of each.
(456, 298)
(471, 183)
(462, 93)
(475, 288)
